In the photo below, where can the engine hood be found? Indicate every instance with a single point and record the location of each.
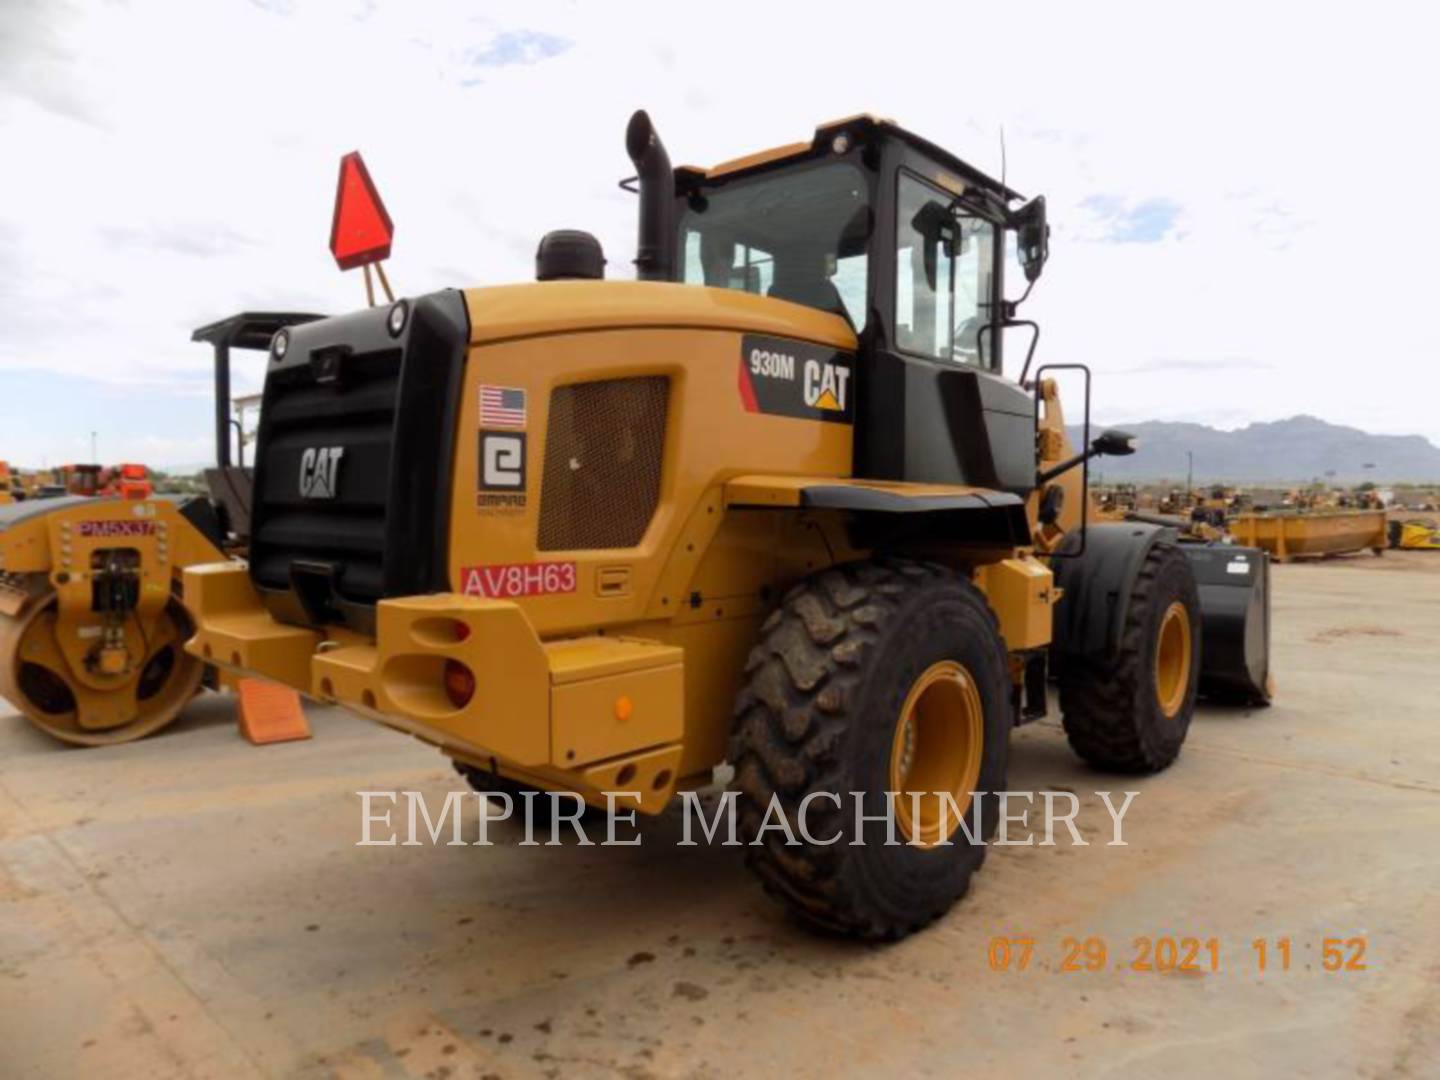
(500, 313)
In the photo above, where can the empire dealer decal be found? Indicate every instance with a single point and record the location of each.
(782, 377)
(501, 477)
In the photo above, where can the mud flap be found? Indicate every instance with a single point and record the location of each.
(1234, 587)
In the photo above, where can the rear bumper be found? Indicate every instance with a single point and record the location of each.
(590, 714)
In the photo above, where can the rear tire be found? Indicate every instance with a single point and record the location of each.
(1132, 715)
(872, 677)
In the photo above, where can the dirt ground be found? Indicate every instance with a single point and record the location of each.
(194, 906)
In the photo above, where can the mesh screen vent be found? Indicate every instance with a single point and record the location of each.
(603, 453)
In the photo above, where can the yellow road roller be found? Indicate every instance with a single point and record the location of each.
(91, 617)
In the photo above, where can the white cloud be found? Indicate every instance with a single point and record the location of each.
(1235, 182)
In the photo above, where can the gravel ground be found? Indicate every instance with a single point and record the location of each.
(194, 906)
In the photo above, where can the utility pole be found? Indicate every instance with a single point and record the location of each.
(94, 456)
(1190, 473)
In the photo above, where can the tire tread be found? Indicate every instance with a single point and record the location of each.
(791, 722)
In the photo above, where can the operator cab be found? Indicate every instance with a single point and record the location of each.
(904, 241)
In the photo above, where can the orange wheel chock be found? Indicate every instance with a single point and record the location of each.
(270, 713)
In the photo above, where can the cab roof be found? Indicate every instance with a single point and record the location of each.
(863, 128)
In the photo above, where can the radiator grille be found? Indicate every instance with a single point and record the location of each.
(347, 531)
(381, 407)
(603, 452)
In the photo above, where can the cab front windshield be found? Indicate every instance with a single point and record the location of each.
(798, 235)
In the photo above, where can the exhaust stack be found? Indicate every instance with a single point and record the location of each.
(655, 246)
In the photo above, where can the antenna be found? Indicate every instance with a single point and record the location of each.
(1002, 156)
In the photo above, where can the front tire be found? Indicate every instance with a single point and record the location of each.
(1132, 715)
(871, 678)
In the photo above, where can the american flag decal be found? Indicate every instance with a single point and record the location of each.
(502, 406)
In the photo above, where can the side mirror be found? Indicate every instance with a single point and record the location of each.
(939, 231)
(1113, 443)
(1032, 237)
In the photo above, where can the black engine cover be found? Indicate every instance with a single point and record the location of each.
(352, 470)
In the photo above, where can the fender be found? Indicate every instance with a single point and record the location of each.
(895, 509)
(1090, 616)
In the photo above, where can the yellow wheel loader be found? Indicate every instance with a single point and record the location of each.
(91, 619)
(774, 503)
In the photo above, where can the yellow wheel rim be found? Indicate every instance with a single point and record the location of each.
(1172, 659)
(939, 741)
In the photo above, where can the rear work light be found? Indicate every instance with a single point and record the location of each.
(459, 683)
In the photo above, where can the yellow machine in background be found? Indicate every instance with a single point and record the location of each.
(1415, 535)
(91, 617)
(91, 622)
(11, 490)
(1289, 535)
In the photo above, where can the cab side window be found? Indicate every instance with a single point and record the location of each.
(944, 276)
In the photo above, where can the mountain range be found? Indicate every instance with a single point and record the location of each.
(1297, 450)
(1300, 449)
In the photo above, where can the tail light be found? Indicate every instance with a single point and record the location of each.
(459, 683)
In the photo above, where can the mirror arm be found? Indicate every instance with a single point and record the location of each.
(1008, 308)
(1043, 478)
(1095, 449)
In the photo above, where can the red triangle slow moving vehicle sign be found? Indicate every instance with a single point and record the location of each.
(361, 231)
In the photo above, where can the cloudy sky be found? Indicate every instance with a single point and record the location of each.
(1242, 195)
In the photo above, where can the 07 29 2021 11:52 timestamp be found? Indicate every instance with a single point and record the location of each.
(1167, 953)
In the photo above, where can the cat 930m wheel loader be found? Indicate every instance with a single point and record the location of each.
(774, 503)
